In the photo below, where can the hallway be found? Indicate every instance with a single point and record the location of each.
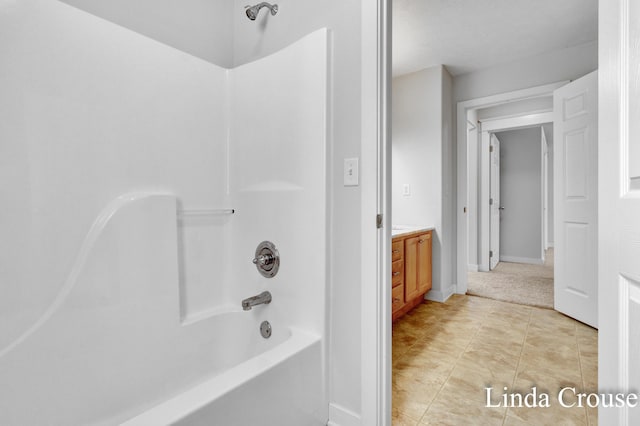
(521, 283)
(446, 354)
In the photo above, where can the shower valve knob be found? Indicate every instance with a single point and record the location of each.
(267, 259)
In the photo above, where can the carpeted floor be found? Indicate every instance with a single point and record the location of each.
(516, 283)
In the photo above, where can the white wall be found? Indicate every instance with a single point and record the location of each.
(417, 149)
(202, 28)
(559, 65)
(264, 36)
(520, 194)
(522, 107)
(421, 157)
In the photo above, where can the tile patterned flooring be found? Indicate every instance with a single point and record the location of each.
(446, 354)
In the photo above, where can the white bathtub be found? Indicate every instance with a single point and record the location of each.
(281, 386)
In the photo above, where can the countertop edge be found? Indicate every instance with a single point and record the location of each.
(407, 232)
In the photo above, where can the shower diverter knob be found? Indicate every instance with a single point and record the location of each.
(267, 259)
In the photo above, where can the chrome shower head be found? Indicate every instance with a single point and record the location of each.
(252, 11)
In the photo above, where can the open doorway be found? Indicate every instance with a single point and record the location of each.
(515, 258)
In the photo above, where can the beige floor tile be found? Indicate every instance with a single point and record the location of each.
(511, 318)
(502, 332)
(500, 306)
(433, 365)
(410, 403)
(456, 412)
(592, 416)
(399, 418)
(587, 331)
(552, 321)
(550, 351)
(587, 345)
(491, 355)
(506, 344)
(445, 354)
(589, 369)
(565, 366)
(468, 381)
(397, 352)
(407, 336)
(443, 340)
(501, 322)
(550, 385)
(494, 366)
(557, 416)
(417, 393)
(503, 348)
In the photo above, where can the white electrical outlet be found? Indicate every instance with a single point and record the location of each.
(406, 190)
(351, 172)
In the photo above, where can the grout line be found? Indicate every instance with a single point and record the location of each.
(515, 375)
(584, 386)
(453, 368)
(524, 340)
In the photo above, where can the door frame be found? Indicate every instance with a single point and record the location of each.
(375, 240)
(494, 200)
(465, 180)
(487, 128)
(545, 192)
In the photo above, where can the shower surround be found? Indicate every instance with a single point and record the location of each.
(124, 268)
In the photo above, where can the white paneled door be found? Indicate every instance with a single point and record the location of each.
(619, 206)
(576, 199)
(494, 201)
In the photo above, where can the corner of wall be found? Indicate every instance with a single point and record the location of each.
(441, 295)
(340, 416)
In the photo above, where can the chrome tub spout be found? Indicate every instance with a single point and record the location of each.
(261, 299)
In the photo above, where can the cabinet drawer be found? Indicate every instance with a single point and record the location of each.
(397, 298)
(397, 273)
(397, 250)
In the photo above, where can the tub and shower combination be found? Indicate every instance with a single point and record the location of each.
(145, 180)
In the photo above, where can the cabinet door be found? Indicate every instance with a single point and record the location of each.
(411, 289)
(424, 262)
(397, 250)
(397, 298)
(397, 273)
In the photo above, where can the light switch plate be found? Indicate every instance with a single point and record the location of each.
(406, 190)
(351, 172)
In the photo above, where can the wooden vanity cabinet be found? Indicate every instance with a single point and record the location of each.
(397, 276)
(411, 270)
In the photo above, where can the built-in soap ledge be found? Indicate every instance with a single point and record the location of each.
(205, 212)
(193, 318)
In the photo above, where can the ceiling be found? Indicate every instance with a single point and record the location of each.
(469, 35)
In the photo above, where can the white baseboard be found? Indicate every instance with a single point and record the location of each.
(472, 268)
(340, 416)
(440, 296)
(515, 259)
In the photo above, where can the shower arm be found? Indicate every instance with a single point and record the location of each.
(252, 11)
